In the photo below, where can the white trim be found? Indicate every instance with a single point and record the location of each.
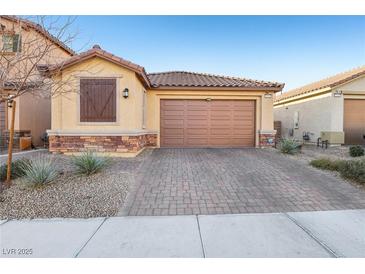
(267, 131)
(98, 133)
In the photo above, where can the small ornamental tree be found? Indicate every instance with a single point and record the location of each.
(29, 46)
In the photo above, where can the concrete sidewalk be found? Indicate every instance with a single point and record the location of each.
(300, 234)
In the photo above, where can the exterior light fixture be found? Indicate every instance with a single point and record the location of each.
(10, 101)
(268, 95)
(125, 93)
(337, 93)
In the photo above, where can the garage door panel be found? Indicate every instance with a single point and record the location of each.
(173, 131)
(197, 131)
(200, 123)
(172, 123)
(239, 141)
(177, 113)
(354, 121)
(174, 142)
(220, 141)
(195, 123)
(243, 131)
(223, 116)
(191, 141)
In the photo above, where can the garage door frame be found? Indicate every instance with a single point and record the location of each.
(255, 106)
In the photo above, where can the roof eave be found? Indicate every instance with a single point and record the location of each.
(42, 31)
(140, 73)
(274, 89)
(311, 93)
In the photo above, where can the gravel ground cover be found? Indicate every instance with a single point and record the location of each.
(71, 195)
(310, 152)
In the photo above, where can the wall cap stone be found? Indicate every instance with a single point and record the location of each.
(267, 132)
(98, 133)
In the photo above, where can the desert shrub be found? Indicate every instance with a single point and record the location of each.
(39, 171)
(356, 151)
(17, 169)
(349, 169)
(325, 163)
(354, 170)
(289, 146)
(89, 163)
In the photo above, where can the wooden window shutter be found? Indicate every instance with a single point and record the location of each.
(17, 45)
(98, 100)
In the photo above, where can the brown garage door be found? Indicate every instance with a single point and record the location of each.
(354, 121)
(201, 123)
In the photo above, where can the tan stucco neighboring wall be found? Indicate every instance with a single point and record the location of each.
(33, 112)
(35, 115)
(264, 113)
(65, 108)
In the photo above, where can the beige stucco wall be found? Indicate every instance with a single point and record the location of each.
(316, 114)
(318, 111)
(65, 108)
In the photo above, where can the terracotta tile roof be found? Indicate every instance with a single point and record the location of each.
(96, 51)
(38, 28)
(169, 79)
(329, 82)
(193, 79)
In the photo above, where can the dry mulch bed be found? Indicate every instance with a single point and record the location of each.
(71, 195)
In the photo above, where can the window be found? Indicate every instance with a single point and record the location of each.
(11, 43)
(98, 100)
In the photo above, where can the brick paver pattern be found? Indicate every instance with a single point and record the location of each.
(216, 181)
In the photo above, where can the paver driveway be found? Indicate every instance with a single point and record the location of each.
(214, 181)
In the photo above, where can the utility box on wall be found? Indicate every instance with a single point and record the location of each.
(333, 137)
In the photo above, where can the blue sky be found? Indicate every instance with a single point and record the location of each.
(291, 49)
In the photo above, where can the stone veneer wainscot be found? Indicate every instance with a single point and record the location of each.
(69, 143)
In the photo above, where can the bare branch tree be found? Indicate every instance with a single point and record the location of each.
(34, 44)
(29, 46)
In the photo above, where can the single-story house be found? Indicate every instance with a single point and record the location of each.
(114, 106)
(332, 108)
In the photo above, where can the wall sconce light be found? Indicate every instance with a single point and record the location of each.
(268, 95)
(337, 93)
(125, 93)
(10, 101)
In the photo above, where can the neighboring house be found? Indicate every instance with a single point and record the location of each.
(334, 106)
(33, 113)
(114, 106)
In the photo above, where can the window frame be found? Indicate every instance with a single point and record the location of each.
(8, 47)
(117, 99)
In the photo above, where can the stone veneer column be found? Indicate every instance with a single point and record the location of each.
(267, 138)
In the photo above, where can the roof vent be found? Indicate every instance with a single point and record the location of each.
(96, 47)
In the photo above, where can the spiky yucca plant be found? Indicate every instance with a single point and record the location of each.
(89, 163)
(39, 171)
